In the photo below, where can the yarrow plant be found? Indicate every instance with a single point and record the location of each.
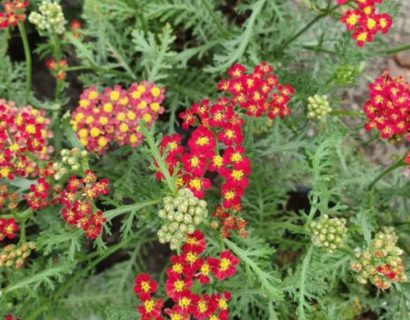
(25, 133)
(364, 21)
(114, 115)
(381, 263)
(388, 108)
(189, 299)
(12, 13)
(78, 201)
(216, 143)
(206, 155)
(182, 213)
(50, 18)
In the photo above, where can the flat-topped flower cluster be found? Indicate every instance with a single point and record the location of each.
(364, 21)
(115, 114)
(185, 277)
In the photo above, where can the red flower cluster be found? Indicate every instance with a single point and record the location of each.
(215, 145)
(78, 203)
(388, 109)
(185, 269)
(364, 21)
(8, 228)
(57, 68)
(259, 93)
(24, 136)
(115, 114)
(13, 13)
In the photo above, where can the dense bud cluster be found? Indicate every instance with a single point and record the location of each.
(49, 18)
(182, 214)
(380, 264)
(78, 199)
(13, 256)
(318, 107)
(328, 233)
(8, 228)
(188, 273)
(115, 115)
(24, 135)
(364, 21)
(215, 144)
(72, 161)
(13, 13)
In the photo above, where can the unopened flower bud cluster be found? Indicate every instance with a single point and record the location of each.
(328, 233)
(13, 256)
(318, 107)
(380, 264)
(72, 161)
(49, 18)
(181, 213)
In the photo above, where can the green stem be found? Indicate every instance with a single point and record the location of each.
(303, 272)
(27, 53)
(394, 166)
(111, 214)
(308, 26)
(158, 158)
(23, 231)
(395, 50)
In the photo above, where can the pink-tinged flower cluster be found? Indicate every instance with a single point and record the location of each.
(24, 136)
(12, 13)
(215, 145)
(185, 276)
(388, 108)
(8, 228)
(364, 21)
(115, 114)
(78, 198)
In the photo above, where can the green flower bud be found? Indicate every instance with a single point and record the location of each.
(328, 233)
(318, 107)
(181, 214)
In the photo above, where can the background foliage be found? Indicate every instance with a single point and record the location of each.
(300, 169)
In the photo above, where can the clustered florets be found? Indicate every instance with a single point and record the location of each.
(8, 228)
(328, 233)
(388, 108)
(73, 160)
(8, 198)
(215, 145)
(115, 115)
(318, 107)
(57, 68)
(49, 18)
(78, 198)
(365, 21)
(182, 214)
(13, 13)
(14, 256)
(24, 134)
(181, 286)
(380, 263)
